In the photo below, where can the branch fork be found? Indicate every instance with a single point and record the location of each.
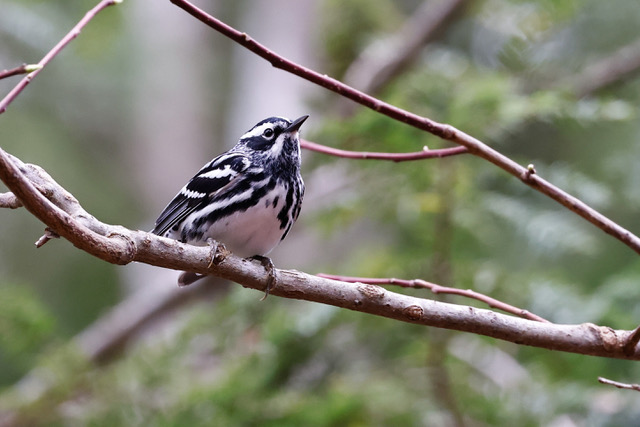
(441, 130)
(62, 214)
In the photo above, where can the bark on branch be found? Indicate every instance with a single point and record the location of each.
(64, 216)
(34, 189)
(444, 131)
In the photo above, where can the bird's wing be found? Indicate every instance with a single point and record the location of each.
(213, 178)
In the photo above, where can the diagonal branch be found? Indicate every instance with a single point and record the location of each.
(119, 245)
(444, 131)
(617, 384)
(36, 68)
(64, 217)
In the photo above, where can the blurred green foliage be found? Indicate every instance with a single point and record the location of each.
(503, 72)
(26, 326)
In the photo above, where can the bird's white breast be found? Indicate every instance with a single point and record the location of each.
(255, 231)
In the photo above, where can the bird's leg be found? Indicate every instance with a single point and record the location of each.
(271, 271)
(189, 277)
(214, 245)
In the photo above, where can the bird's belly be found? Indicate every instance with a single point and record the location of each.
(255, 231)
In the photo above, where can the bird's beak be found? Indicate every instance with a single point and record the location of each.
(296, 124)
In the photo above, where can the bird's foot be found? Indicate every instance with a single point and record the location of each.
(215, 246)
(271, 271)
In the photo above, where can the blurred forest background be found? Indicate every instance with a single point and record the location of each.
(147, 94)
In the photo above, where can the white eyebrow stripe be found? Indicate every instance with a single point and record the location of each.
(258, 130)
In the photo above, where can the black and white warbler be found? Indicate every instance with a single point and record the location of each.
(246, 198)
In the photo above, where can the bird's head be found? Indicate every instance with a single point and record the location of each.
(275, 137)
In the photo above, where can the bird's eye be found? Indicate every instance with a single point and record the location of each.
(268, 133)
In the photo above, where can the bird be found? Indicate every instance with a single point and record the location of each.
(247, 198)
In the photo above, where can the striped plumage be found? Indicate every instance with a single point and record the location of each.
(247, 198)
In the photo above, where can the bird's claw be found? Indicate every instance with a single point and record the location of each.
(271, 271)
(217, 250)
(213, 244)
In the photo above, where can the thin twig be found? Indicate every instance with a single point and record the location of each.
(444, 131)
(394, 157)
(46, 237)
(118, 245)
(617, 384)
(23, 69)
(439, 289)
(632, 341)
(8, 200)
(53, 52)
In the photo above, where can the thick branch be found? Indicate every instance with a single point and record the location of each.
(60, 221)
(64, 217)
(444, 131)
(118, 245)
